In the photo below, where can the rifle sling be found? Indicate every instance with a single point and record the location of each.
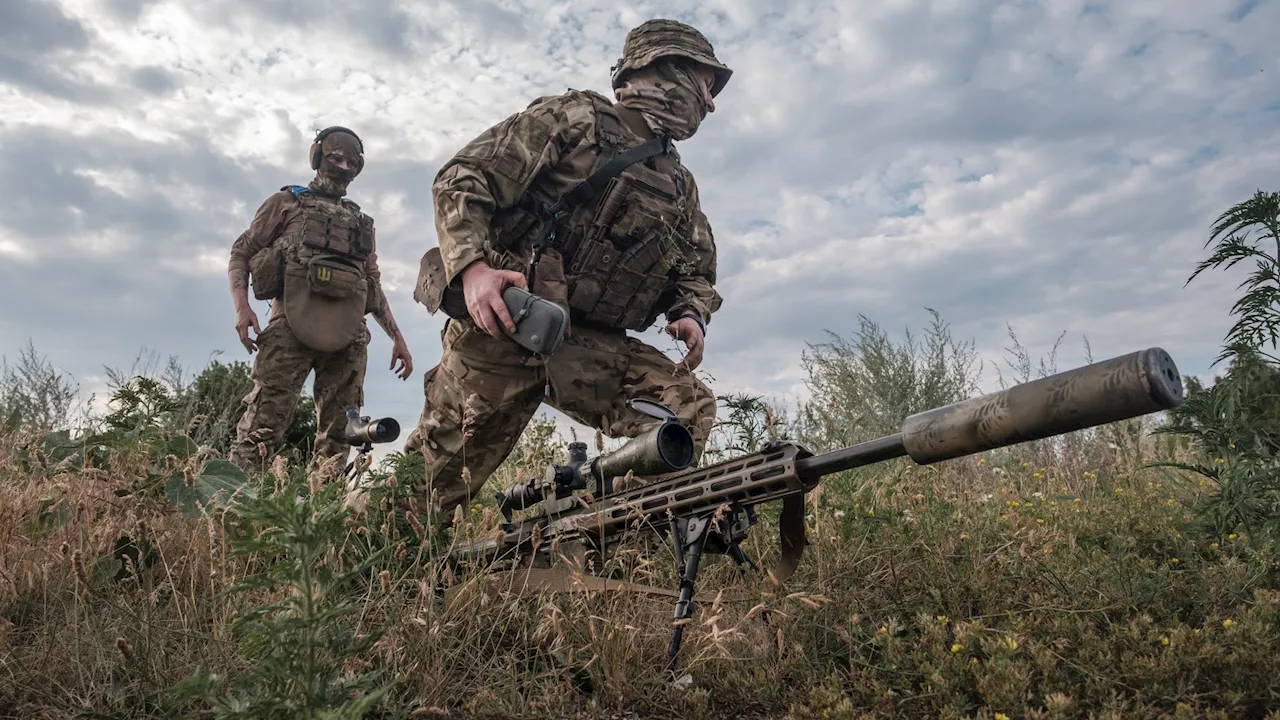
(591, 188)
(791, 537)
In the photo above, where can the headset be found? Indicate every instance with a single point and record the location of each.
(316, 144)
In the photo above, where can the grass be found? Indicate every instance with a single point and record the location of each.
(1052, 580)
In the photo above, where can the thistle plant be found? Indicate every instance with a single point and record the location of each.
(296, 635)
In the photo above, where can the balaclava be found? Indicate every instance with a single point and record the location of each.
(668, 94)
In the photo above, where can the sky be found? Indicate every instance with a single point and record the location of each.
(1054, 167)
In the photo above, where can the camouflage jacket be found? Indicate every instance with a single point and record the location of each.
(545, 151)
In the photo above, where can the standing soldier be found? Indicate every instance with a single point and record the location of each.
(622, 249)
(311, 252)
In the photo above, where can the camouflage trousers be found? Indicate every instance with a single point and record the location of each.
(485, 390)
(279, 372)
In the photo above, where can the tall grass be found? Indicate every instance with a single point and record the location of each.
(1060, 580)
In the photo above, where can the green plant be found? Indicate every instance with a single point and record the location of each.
(1257, 313)
(1235, 423)
(34, 393)
(864, 387)
(294, 633)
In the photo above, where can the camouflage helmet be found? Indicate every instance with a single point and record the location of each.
(654, 39)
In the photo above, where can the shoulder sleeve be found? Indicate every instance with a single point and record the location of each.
(495, 169)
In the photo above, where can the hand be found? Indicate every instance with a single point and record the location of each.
(482, 287)
(688, 330)
(400, 353)
(245, 317)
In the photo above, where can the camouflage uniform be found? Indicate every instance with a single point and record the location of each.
(312, 253)
(640, 251)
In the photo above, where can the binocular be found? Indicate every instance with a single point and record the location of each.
(366, 431)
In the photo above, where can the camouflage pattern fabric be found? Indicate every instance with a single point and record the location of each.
(669, 96)
(484, 391)
(559, 140)
(279, 372)
(659, 38)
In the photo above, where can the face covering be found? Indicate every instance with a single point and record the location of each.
(669, 95)
(330, 179)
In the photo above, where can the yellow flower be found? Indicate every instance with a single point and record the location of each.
(1232, 536)
(1220, 461)
(1164, 641)
(1039, 521)
(1076, 501)
(1213, 546)
(1001, 716)
(982, 461)
(964, 536)
(1228, 623)
(944, 619)
(1175, 561)
(957, 648)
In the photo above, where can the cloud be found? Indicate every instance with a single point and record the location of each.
(1052, 166)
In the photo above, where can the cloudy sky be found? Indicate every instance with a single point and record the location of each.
(1051, 165)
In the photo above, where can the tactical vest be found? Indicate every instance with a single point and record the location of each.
(619, 251)
(318, 271)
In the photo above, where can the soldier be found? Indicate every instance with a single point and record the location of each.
(313, 253)
(628, 247)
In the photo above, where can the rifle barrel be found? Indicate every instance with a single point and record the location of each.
(864, 453)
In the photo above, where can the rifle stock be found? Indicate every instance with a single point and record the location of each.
(711, 508)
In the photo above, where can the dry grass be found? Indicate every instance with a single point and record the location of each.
(1045, 582)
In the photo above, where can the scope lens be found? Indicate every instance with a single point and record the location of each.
(675, 444)
(387, 429)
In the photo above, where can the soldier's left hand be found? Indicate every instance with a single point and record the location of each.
(688, 330)
(400, 353)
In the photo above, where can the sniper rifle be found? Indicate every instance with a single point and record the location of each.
(709, 510)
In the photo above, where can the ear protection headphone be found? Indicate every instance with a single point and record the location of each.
(316, 144)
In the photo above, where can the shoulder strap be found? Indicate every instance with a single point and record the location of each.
(596, 183)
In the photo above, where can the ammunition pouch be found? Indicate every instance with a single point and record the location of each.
(372, 300)
(266, 272)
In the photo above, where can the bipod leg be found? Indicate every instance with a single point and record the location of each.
(689, 536)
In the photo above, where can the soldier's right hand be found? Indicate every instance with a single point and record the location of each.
(482, 287)
(246, 318)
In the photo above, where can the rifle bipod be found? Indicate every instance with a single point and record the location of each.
(718, 533)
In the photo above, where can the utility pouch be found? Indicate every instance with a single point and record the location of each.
(266, 272)
(331, 277)
(430, 289)
(540, 323)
